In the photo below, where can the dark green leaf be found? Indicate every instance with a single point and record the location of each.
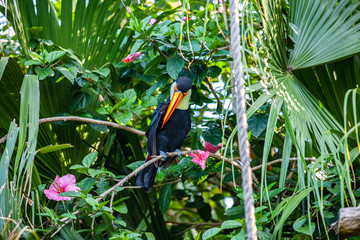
(238, 210)
(257, 123)
(213, 134)
(214, 71)
(80, 101)
(165, 197)
(174, 66)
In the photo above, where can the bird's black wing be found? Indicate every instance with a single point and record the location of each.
(155, 125)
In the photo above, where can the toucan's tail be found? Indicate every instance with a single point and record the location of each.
(146, 178)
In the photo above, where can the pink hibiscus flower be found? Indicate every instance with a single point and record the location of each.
(152, 21)
(131, 57)
(211, 148)
(64, 184)
(200, 158)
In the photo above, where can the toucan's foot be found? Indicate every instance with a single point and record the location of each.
(164, 154)
(179, 152)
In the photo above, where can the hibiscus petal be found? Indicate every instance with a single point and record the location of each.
(203, 165)
(67, 180)
(52, 195)
(72, 188)
(194, 155)
(55, 185)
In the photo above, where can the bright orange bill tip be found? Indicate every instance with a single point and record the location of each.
(172, 106)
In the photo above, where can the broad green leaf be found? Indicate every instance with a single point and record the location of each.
(52, 56)
(121, 208)
(135, 165)
(210, 233)
(174, 66)
(66, 73)
(229, 224)
(91, 202)
(44, 72)
(238, 210)
(257, 123)
(165, 197)
(123, 117)
(89, 159)
(80, 101)
(213, 71)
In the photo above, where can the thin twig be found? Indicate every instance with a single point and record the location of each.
(85, 120)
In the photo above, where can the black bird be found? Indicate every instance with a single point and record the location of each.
(170, 124)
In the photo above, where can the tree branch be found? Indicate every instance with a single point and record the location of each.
(85, 120)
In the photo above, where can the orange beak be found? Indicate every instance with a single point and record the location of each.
(172, 106)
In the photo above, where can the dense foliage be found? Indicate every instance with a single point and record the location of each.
(114, 61)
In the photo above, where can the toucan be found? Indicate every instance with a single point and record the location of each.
(170, 124)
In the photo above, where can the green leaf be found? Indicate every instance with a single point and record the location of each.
(238, 210)
(121, 208)
(165, 197)
(91, 202)
(80, 101)
(32, 62)
(104, 72)
(68, 215)
(152, 65)
(229, 224)
(120, 222)
(135, 165)
(52, 56)
(52, 148)
(77, 166)
(70, 194)
(123, 117)
(89, 159)
(257, 123)
(210, 233)
(43, 72)
(213, 71)
(150, 236)
(130, 96)
(174, 66)
(221, 53)
(66, 74)
(301, 227)
(213, 134)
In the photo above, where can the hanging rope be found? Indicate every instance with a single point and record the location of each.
(242, 122)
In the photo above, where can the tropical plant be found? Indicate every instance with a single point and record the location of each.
(301, 73)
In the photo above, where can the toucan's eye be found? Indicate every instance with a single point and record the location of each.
(175, 88)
